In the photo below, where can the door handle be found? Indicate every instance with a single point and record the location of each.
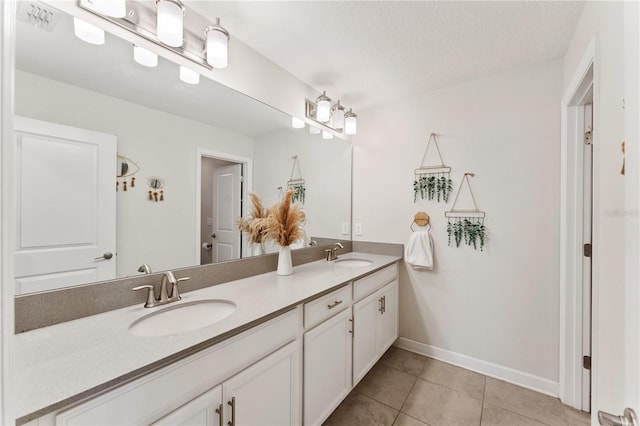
(232, 403)
(629, 418)
(108, 255)
(220, 415)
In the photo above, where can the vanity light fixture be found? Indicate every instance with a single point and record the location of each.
(144, 57)
(350, 123)
(170, 22)
(217, 45)
(88, 32)
(337, 116)
(113, 8)
(323, 108)
(296, 123)
(189, 76)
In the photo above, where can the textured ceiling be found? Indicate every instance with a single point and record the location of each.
(366, 52)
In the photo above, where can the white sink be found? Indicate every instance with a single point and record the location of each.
(182, 317)
(353, 263)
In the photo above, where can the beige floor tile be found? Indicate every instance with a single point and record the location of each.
(360, 410)
(576, 417)
(456, 378)
(404, 420)
(409, 362)
(437, 405)
(496, 416)
(534, 405)
(387, 385)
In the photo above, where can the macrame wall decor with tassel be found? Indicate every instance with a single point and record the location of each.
(126, 169)
(432, 182)
(156, 189)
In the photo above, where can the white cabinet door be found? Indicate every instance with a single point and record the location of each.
(365, 348)
(327, 367)
(202, 411)
(375, 322)
(267, 393)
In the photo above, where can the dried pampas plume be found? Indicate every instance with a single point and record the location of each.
(284, 221)
(254, 225)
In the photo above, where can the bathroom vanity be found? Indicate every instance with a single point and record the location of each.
(291, 350)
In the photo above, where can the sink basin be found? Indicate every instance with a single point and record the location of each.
(353, 263)
(182, 318)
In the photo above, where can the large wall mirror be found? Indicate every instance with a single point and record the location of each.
(176, 153)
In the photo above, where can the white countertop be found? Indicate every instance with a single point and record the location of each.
(58, 365)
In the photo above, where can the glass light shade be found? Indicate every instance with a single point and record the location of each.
(144, 56)
(189, 76)
(350, 123)
(326, 135)
(170, 23)
(296, 123)
(217, 48)
(338, 117)
(113, 8)
(313, 130)
(87, 32)
(323, 108)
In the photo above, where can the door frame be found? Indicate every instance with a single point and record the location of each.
(247, 186)
(585, 78)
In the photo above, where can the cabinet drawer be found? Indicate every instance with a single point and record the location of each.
(371, 283)
(322, 308)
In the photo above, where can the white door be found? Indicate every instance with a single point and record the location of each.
(388, 318)
(587, 231)
(65, 206)
(227, 200)
(327, 367)
(365, 330)
(268, 392)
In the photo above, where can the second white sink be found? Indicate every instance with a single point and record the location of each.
(182, 318)
(353, 263)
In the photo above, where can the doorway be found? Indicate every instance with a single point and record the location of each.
(222, 188)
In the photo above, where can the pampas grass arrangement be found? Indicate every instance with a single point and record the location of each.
(284, 220)
(254, 225)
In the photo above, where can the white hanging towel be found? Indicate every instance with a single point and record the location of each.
(419, 252)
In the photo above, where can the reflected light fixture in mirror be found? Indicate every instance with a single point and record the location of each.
(87, 32)
(189, 76)
(113, 8)
(144, 56)
(313, 130)
(217, 45)
(326, 135)
(350, 123)
(296, 123)
(170, 22)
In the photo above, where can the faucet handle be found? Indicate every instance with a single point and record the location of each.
(175, 294)
(151, 295)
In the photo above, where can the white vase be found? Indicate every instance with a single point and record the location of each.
(284, 261)
(257, 249)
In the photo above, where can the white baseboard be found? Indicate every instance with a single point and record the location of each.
(507, 374)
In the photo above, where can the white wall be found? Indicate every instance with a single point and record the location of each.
(161, 234)
(497, 310)
(604, 22)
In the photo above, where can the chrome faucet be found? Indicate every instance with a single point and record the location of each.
(145, 268)
(331, 252)
(165, 297)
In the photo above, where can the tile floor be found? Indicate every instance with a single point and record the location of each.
(406, 389)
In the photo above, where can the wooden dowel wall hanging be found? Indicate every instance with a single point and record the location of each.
(296, 183)
(466, 225)
(432, 182)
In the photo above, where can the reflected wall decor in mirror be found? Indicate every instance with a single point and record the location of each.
(78, 105)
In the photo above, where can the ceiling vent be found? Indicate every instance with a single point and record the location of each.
(38, 15)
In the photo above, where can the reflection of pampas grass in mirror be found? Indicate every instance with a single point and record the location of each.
(253, 226)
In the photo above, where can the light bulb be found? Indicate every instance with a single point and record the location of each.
(87, 32)
(313, 130)
(296, 123)
(170, 22)
(144, 57)
(323, 108)
(113, 8)
(189, 76)
(337, 116)
(326, 135)
(217, 45)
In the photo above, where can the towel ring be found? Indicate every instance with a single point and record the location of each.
(420, 219)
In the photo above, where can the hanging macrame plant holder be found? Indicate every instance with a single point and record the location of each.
(296, 183)
(466, 225)
(432, 182)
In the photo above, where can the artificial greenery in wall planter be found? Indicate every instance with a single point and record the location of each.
(466, 225)
(432, 182)
(296, 184)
